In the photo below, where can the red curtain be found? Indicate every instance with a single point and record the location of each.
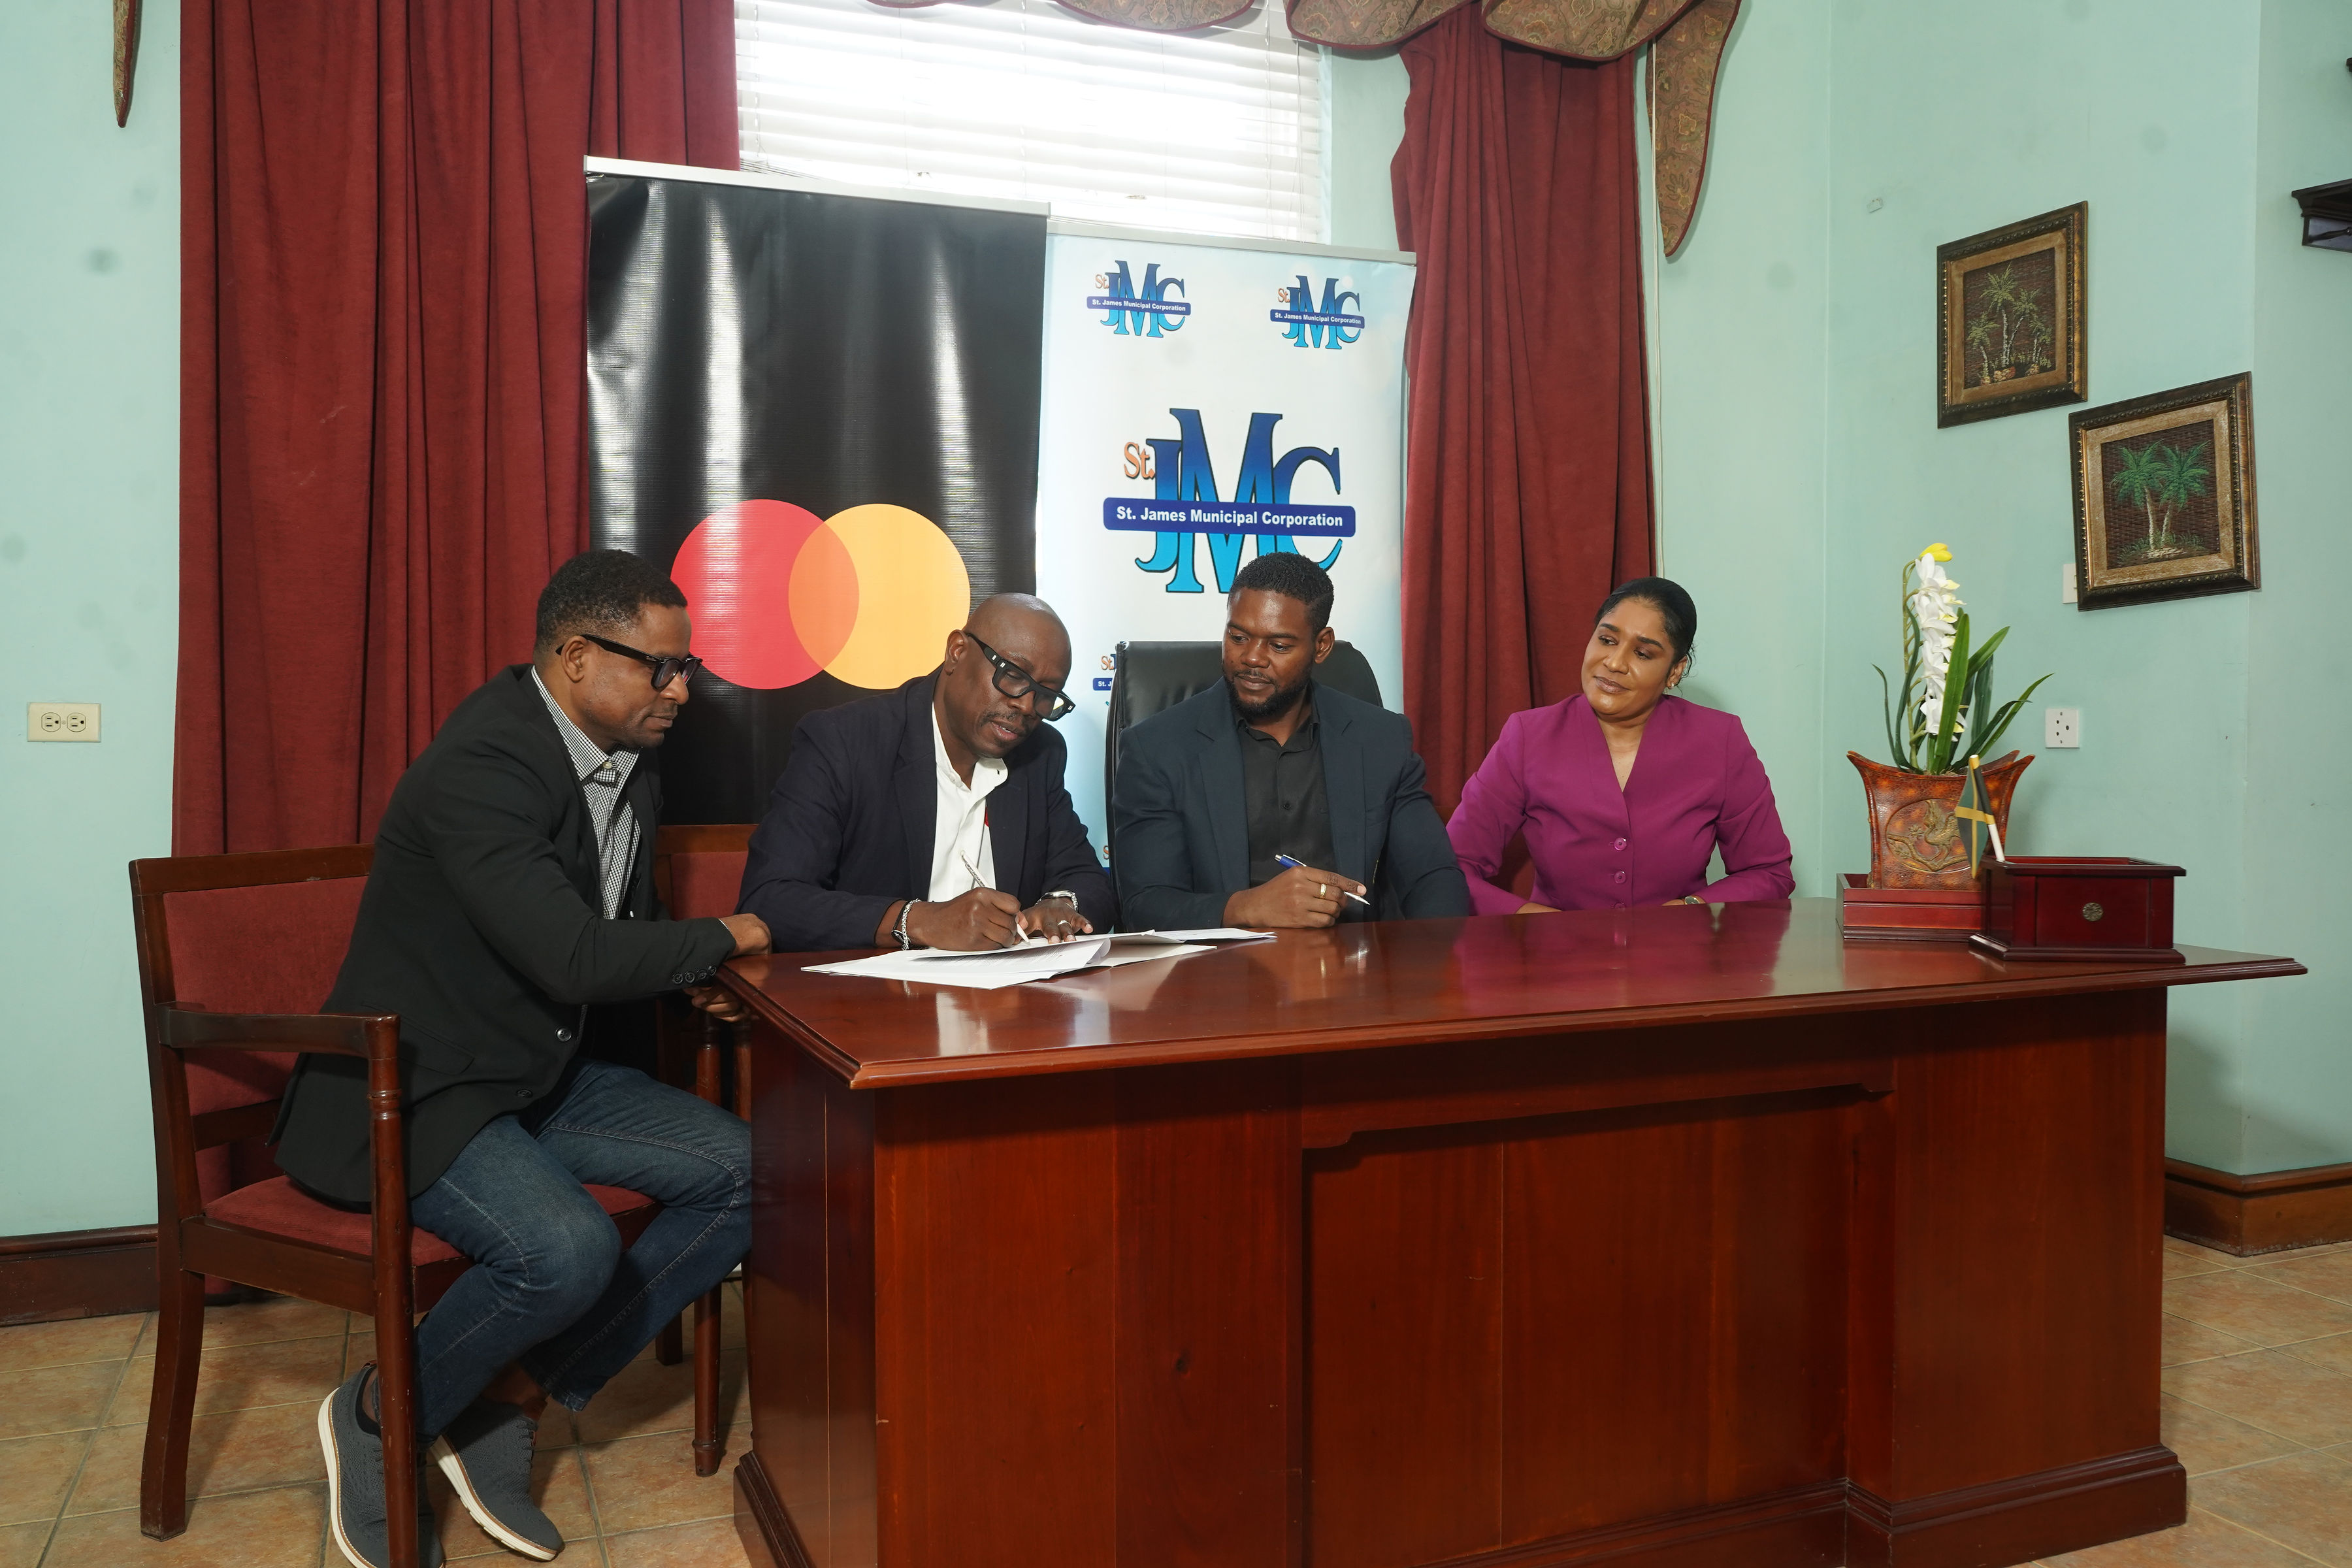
(1527, 467)
(384, 273)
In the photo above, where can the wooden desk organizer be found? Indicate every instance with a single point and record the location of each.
(2078, 907)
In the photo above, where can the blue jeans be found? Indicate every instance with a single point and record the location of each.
(551, 1286)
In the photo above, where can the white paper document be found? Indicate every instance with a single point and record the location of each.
(1036, 959)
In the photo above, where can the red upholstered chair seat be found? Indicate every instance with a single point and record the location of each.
(280, 1208)
(705, 882)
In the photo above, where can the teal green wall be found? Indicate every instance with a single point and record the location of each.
(1799, 461)
(89, 267)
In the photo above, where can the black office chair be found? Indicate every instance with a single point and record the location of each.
(1147, 677)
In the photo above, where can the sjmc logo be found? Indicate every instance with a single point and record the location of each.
(1186, 504)
(1327, 328)
(1145, 312)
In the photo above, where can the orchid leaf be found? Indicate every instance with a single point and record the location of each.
(2008, 714)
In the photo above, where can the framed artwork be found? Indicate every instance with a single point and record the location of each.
(2010, 318)
(2164, 496)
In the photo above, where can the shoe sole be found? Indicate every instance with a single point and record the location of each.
(335, 1483)
(452, 1466)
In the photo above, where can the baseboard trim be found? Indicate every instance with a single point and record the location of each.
(76, 1274)
(2268, 1212)
(761, 1522)
(2022, 1517)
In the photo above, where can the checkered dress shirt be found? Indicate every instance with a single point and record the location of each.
(602, 780)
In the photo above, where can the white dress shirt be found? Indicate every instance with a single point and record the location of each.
(959, 842)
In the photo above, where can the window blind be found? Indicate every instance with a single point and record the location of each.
(1214, 131)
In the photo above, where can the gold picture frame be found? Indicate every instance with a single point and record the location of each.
(2164, 496)
(2012, 319)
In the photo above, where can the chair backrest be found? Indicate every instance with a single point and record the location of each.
(245, 933)
(699, 867)
(1150, 676)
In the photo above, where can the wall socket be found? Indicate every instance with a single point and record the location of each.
(61, 720)
(2062, 728)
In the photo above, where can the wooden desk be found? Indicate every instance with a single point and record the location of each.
(1674, 1237)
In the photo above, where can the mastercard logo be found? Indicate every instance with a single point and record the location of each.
(868, 595)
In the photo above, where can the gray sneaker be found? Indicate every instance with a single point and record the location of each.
(486, 1453)
(355, 1511)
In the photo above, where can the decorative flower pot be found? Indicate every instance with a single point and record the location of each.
(1915, 839)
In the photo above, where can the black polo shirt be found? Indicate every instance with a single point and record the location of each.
(1282, 783)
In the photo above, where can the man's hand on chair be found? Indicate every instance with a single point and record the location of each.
(719, 1002)
(750, 934)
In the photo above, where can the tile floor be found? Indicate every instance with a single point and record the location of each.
(618, 1480)
(2257, 1403)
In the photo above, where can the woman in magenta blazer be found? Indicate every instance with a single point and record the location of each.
(1625, 790)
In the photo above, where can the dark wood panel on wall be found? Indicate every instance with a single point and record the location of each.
(2268, 1212)
(76, 1274)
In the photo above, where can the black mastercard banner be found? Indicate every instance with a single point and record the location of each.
(818, 414)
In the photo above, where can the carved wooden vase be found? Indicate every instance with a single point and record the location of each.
(1915, 839)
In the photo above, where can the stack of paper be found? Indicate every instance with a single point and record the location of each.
(1034, 959)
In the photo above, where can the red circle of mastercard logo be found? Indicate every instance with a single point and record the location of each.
(868, 595)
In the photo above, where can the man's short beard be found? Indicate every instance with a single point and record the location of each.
(1280, 702)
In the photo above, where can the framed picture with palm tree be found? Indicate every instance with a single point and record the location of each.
(2010, 318)
(2164, 496)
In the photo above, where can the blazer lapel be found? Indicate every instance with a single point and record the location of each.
(1221, 775)
(644, 797)
(1008, 834)
(1589, 755)
(1343, 791)
(917, 789)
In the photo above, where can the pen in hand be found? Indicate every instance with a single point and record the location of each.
(1287, 861)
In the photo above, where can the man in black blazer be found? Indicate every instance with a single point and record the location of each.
(1267, 799)
(935, 815)
(512, 886)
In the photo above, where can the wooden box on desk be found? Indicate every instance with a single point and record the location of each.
(1908, 914)
(2078, 907)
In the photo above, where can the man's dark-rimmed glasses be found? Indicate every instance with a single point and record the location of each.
(665, 669)
(1015, 682)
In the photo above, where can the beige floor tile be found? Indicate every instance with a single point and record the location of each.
(2207, 1541)
(2259, 1311)
(36, 1473)
(641, 1482)
(2334, 1352)
(2208, 1440)
(21, 1544)
(712, 1543)
(2303, 1501)
(238, 1451)
(556, 1485)
(648, 1397)
(2272, 1390)
(66, 1343)
(2328, 1274)
(56, 1398)
(249, 1530)
(2181, 1265)
(2213, 1255)
(275, 1318)
(2187, 1341)
(241, 1377)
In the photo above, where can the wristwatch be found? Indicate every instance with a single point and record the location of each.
(1064, 894)
(899, 931)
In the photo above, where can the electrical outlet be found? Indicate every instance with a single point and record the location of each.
(2066, 584)
(2062, 728)
(61, 720)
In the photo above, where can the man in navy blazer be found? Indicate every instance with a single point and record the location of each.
(1267, 799)
(935, 815)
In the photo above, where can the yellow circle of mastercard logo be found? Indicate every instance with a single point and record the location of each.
(868, 595)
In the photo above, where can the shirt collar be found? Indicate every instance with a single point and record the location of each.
(588, 758)
(987, 773)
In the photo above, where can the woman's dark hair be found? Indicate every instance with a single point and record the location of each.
(1665, 596)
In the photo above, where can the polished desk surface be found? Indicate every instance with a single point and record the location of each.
(1416, 982)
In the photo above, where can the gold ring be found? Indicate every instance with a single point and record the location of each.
(1322, 889)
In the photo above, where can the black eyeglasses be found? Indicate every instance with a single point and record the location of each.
(1013, 680)
(665, 669)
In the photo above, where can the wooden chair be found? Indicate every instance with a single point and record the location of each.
(698, 870)
(235, 954)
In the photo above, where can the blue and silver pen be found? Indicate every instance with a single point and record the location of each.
(1301, 865)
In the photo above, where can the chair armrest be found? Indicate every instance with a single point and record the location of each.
(365, 1035)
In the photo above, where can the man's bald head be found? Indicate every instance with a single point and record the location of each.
(976, 717)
